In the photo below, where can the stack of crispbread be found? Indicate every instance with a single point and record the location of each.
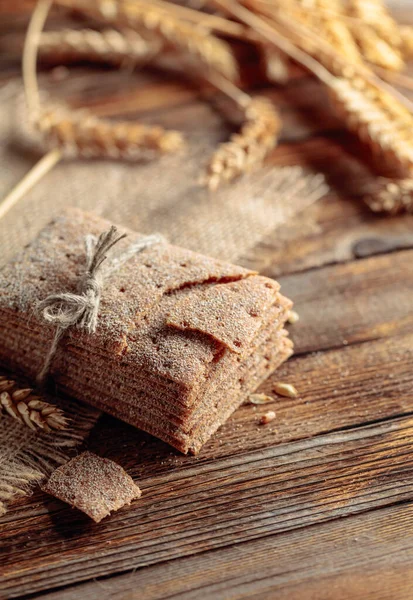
(182, 339)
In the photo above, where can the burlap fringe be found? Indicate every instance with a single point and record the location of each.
(26, 456)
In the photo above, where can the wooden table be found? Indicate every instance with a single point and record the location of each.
(316, 506)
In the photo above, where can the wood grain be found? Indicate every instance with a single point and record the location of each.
(365, 556)
(317, 504)
(274, 487)
(352, 302)
(203, 507)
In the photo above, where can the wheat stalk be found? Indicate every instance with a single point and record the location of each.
(391, 196)
(109, 45)
(248, 148)
(78, 133)
(194, 42)
(28, 409)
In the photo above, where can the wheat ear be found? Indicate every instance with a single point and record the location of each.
(248, 148)
(376, 50)
(376, 33)
(376, 14)
(372, 124)
(391, 196)
(194, 42)
(28, 409)
(369, 115)
(109, 45)
(78, 133)
(326, 18)
(304, 45)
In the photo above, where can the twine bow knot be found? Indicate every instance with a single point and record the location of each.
(66, 310)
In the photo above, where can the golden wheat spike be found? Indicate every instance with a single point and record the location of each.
(373, 126)
(81, 134)
(391, 196)
(28, 409)
(377, 33)
(376, 14)
(195, 43)
(325, 17)
(248, 148)
(108, 45)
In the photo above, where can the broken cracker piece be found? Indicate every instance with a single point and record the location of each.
(95, 485)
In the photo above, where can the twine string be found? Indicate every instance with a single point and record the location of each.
(66, 310)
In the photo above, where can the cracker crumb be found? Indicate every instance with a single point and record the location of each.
(96, 486)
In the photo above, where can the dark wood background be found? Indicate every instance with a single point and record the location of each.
(318, 504)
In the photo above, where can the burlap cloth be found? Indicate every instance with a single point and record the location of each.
(162, 196)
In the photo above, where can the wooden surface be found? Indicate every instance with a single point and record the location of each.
(316, 505)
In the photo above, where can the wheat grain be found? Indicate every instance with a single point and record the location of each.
(325, 17)
(373, 124)
(267, 417)
(258, 399)
(248, 148)
(376, 14)
(109, 45)
(275, 64)
(376, 50)
(28, 409)
(400, 116)
(376, 33)
(293, 317)
(379, 118)
(195, 43)
(406, 34)
(285, 389)
(391, 196)
(81, 134)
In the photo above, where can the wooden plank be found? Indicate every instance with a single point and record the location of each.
(364, 557)
(353, 302)
(338, 389)
(213, 505)
(332, 231)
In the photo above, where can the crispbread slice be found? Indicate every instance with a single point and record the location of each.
(96, 486)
